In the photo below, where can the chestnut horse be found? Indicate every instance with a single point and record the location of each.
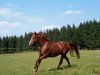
(50, 49)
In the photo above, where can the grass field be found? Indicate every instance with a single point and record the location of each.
(22, 64)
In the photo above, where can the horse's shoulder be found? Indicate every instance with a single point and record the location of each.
(46, 45)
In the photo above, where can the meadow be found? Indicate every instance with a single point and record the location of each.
(22, 64)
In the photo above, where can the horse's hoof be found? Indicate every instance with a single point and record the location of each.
(69, 66)
(34, 70)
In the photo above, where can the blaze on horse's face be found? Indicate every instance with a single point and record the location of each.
(33, 39)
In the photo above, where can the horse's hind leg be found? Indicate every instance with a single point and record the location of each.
(71, 52)
(60, 62)
(67, 59)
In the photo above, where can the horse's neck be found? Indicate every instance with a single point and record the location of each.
(41, 42)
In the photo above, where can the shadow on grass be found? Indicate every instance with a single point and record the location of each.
(60, 68)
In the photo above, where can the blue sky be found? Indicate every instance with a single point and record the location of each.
(20, 16)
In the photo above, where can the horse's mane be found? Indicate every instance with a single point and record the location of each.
(43, 36)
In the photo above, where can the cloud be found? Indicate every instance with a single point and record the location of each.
(6, 32)
(72, 12)
(9, 28)
(5, 25)
(20, 16)
(13, 20)
(5, 12)
(51, 27)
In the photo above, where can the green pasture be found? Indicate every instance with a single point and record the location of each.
(22, 64)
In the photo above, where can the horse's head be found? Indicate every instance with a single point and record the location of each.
(33, 39)
(37, 38)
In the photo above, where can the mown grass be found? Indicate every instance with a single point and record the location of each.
(22, 64)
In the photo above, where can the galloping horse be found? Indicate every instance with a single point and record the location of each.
(50, 49)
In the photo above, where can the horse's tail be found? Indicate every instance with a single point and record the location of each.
(75, 48)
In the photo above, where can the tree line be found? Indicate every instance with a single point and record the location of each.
(86, 35)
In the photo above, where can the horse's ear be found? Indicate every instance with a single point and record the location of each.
(35, 33)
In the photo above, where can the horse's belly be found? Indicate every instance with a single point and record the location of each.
(54, 53)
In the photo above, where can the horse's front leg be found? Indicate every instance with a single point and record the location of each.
(38, 62)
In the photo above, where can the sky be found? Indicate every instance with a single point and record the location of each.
(20, 16)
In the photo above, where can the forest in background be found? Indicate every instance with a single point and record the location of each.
(86, 35)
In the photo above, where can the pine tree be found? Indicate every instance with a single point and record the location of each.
(25, 42)
(63, 35)
(5, 45)
(12, 43)
(19, 45)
